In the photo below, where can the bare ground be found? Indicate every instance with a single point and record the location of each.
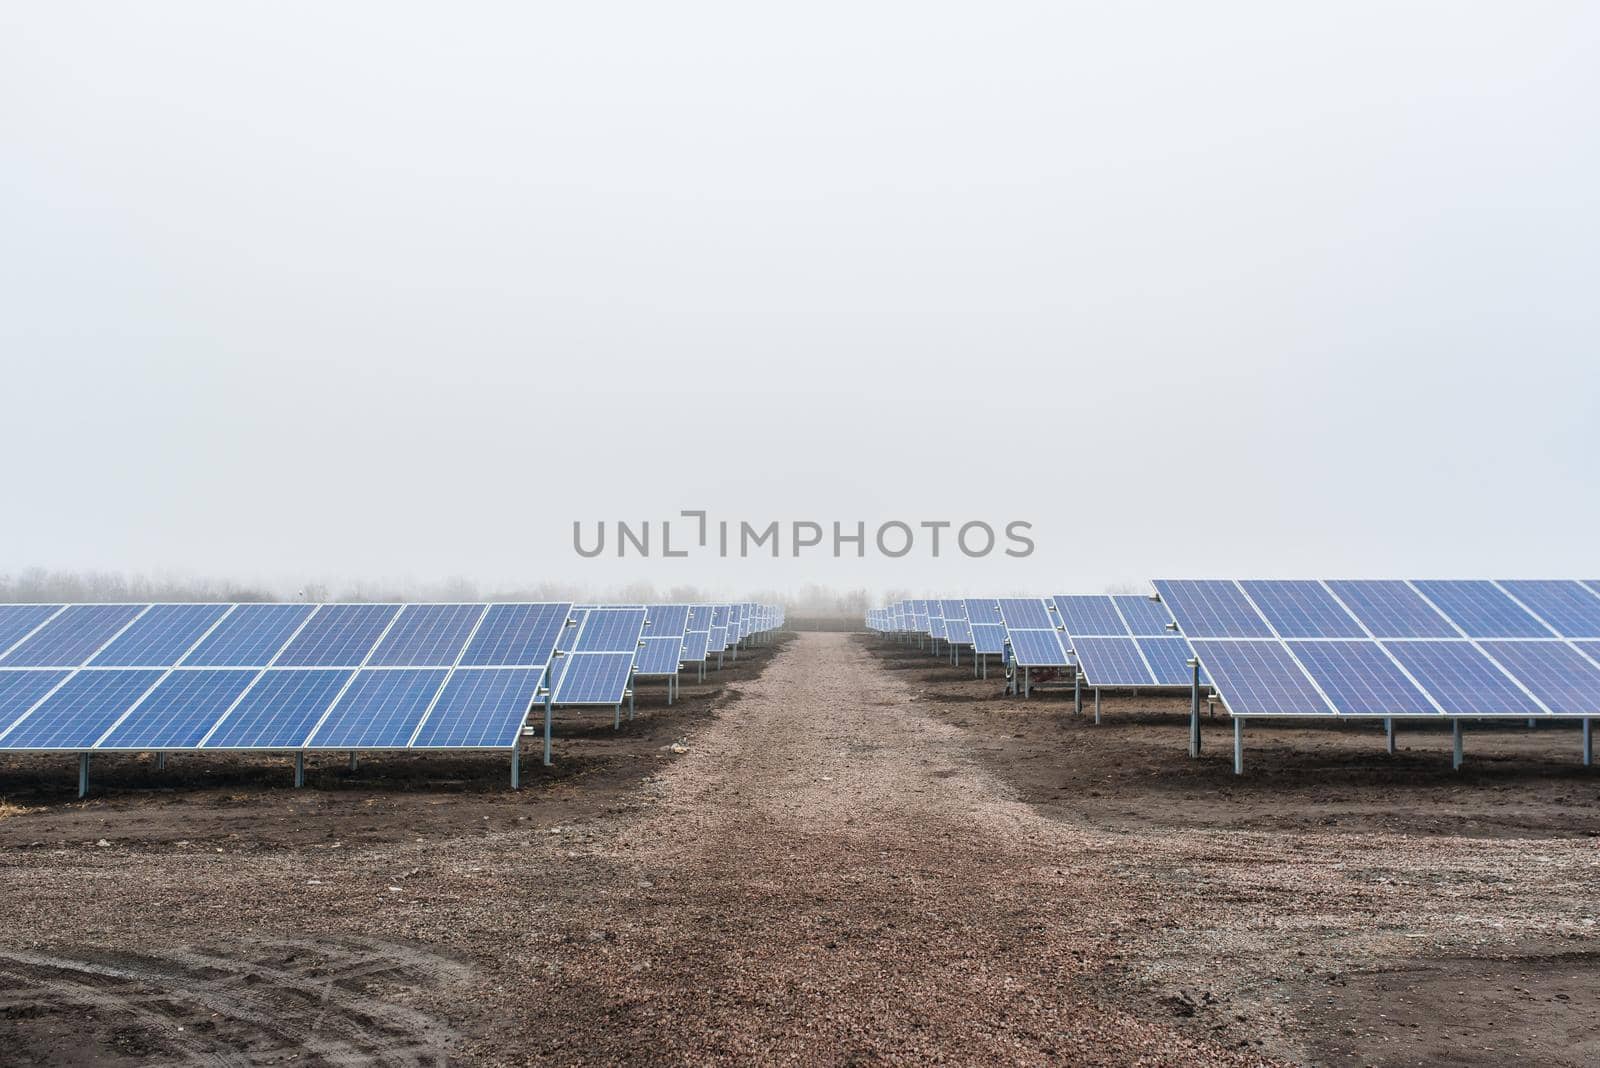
(864, 856)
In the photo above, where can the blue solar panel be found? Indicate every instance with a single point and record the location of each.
(593, 678)
(77, 714)
(955, 609)
(611, 630)
(1111, 662)
(1259, 678)
(250, 636)
(1482, 610)
(695, 645)
(1301, 609)
(700, 617)
(1025, 613)
(516, 635)
(659, 656)
(1570, 607)
(1211, 609)
(427, 635)
(73, 636)
(667, 619)
(1589, 649)
(17, 621)
(339, 635)
(1391, 609)
(161, 636)
(480, 708)
(380, 709)
(958, 631)
(1169, 660)
(1095, 616)
(718, 638)
(567, 639)
(179, 712)
(279, 711)
(1557, 674)
(1144, 616)
(936, 627)
(988, 638)
(21, 690)
(1462, 679)
(1037, 648)
(1359, 679)
(983, 611)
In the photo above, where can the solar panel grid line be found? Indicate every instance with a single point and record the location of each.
(1395, 660)
(1155, 677)
(460, 653)
(104, 657)
(1558, 674)
(113, 685)
(1212, 608)
(376, 642)
(1291, 652)
(85, 657)
(1459, 629)
(1300, 608)
(1469, 604)
(73, 672)
(1544, 613)
(185, 692)
(261, 674)
(66, 677)
(422, 632)
(37, 627)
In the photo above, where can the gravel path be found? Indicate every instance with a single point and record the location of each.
(828, 877)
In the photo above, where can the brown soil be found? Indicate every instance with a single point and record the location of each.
(864, 856)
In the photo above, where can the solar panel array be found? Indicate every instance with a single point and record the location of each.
(1395, 648)
(1124, 640)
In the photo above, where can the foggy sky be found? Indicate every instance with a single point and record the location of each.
(397, 293)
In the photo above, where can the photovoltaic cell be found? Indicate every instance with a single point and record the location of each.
(988, 638)
(480, 708)
(1392, 609)
(718, 638)
(1037, 648)
(517, 635)
(958, 631)
(1462, 679)
(611, 630)
(695, 645)
(567, 639)
(76, 715)
(1300, 609)
(427, 635)
(1359, 679)
(17, 620)
(955, 610)
(179, 712)
(279, 711)
(593, 678)
(983, 611)
(73, 636)
(1111, 662)
(1144, 616)
(1209, 608)
(1094, 616)
(380, 709)
(1169, 660)
(699, 617)
(659, 656)
(21, 690)
(1259, 678)
(339, 635)
(250, 636)
(1025, 613)
(1482, 610)
(161, 636)
(667, 620)
(1570, 607)
(1557, 674)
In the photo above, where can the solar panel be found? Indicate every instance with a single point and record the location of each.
(611, 630)
(480, 708)
(17, 621)
(593, 678)
(1025, 613)
(958, 631)
(1461, 679)
(1090, 615)
(1301, 609)
(699, 617)
(380, 709)
(1570, 607)
(1482, 610)
(988, 638)
(160, 636)
(1037, 648)
(249, 636)
(1557, 674)
(1169, 661)
(1259, 678)
(954, 610)
(659, 656)
(695, 645)
(1111, 662)
(1360, 679)
(72, 636)
(1143, 616)
(983, 611)
(279, 711)
(339, 635)
(1211, 609)
(80, 711)
(516, 635)
(1391, 609)
(180, 710)
(427, 635)
(718, 638)
(667, 619)
(21, 690)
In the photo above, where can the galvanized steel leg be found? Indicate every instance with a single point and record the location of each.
(299, 770)
(1194, 710)
(1238, 746)
(548, 716)
(1027, 681)
(1077, 693)
(616, 716)
(1097, 706)
(161, 761)
(83, 774)
(1388, 729)
(1588, 743)
(352, 760)
(516, 764)
(630, 703)
(1455, 732)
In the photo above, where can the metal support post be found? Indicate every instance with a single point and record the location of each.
(1388, 730)
(161, 761)
(1194, 708)
(616, 716)
(352, 760)
(1238, 746)
(1097, 706)
(1456, 754)
(516, 764)
(548, 718)
(83, 774)
(1077, 693)
(1588, 743)
(1027, 681)
(299, 770)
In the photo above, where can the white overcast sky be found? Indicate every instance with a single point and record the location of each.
(394, 292)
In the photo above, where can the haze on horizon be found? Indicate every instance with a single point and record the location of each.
(379, 296)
